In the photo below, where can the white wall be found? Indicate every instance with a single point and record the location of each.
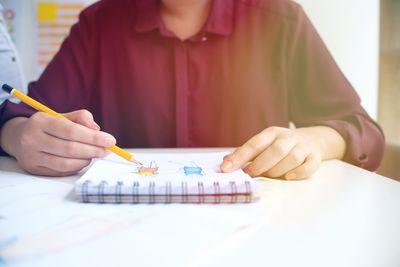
(22, 32)
(350, 28)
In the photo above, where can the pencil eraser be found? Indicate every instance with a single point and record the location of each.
(7, 88)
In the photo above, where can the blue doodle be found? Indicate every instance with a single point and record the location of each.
(189, 170)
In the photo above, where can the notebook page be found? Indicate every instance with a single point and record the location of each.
(163, 172)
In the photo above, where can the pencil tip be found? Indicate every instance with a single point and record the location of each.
(136, 162)
(7, 88)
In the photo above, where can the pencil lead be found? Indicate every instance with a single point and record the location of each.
(136, 162)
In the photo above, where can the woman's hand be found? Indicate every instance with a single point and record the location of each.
(46, 145)
(286, 153)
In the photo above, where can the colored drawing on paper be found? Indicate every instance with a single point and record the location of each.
(75, 231)
(190, 170)
(147, 170)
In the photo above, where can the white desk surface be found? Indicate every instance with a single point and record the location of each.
(342, 216)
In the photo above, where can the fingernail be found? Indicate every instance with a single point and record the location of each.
(247, 170)
(291, 176)
(226, 156)
(109, 141)
(226, 166)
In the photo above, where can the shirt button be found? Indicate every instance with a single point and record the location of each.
(204, 38)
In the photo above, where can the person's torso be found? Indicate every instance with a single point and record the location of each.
(210, 90)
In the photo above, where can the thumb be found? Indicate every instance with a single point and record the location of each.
(83, 117)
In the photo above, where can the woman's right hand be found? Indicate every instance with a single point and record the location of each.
(47, 145)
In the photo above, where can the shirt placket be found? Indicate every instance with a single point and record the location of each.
(182, 94)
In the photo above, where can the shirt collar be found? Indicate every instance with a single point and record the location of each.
(220, 20)
(148, 15)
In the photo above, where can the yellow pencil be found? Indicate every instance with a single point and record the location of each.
(40, 107)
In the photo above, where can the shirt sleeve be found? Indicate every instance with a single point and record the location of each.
(319, 94)
(65, 84)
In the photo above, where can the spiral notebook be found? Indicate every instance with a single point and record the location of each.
(165, 178)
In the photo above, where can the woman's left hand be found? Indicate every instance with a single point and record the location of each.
(281, 152)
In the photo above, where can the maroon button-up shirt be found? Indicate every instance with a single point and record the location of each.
(254, 64)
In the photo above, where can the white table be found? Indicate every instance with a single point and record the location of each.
(342, 216)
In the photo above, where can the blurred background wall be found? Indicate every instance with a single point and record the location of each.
(389, 86)
(38, 27)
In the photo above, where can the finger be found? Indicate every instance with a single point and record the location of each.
(43, 171)
(68, 130)
(249, 150)
(71, 149)
(60, 164)
(294, 159)
(83, 117)
(277, 151)
(310, 166)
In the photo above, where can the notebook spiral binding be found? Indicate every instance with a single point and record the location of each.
(135, 192)
(100, 193)
(118, 192)
(168, 197)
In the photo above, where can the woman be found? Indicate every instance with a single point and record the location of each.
(194, 73)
